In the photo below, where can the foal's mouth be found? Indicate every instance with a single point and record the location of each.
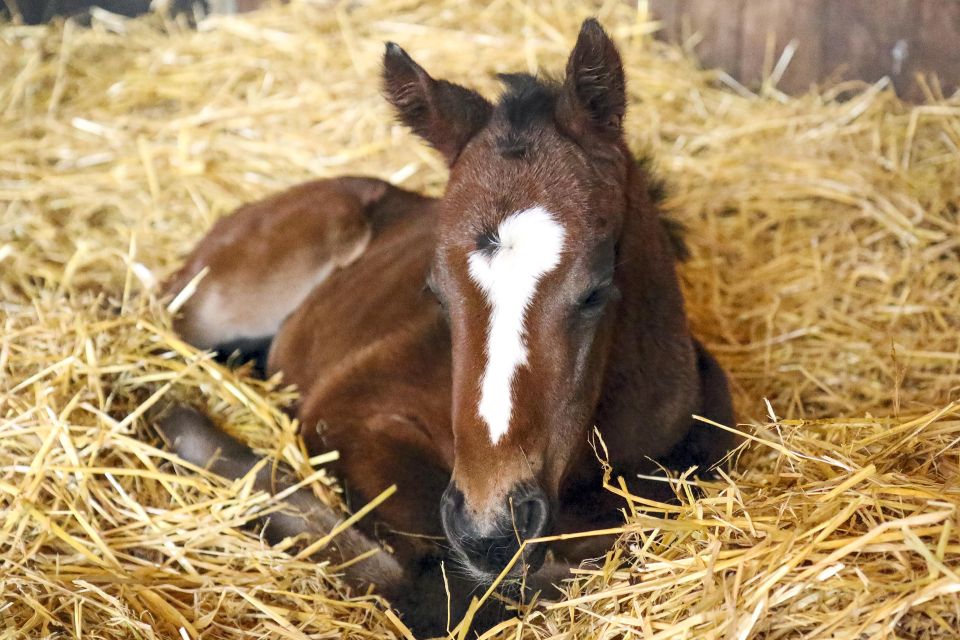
(510, 574)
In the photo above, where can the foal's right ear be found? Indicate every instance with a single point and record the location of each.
(593, 98)
(444, 114)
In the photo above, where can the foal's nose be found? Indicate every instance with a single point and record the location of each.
(488, 543)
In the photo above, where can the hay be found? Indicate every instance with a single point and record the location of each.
(825, 275)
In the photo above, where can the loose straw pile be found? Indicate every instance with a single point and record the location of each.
(825, 273)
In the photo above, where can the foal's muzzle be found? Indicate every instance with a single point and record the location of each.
(486, 544)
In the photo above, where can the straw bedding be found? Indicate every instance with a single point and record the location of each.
(825, 273)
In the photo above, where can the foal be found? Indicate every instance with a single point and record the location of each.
(464, 348)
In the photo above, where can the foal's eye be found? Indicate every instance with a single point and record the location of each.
(595, 299)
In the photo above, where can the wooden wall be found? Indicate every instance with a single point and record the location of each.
(849, 39)
(852, 39)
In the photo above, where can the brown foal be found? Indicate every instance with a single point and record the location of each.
(464, 348)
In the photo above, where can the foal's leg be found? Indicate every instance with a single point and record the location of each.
(195, 439)
(264, 258)
(412, 579)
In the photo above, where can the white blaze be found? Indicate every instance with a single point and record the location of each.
(529, 247)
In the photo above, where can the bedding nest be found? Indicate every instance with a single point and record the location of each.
(824, 233)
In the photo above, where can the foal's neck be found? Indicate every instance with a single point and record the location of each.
(651, 386)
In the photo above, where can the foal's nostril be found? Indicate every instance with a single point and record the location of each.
(452, 511)
(531, 513)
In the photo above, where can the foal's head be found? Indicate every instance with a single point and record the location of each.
(525, 270)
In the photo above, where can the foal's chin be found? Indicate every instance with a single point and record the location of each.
(511, 582)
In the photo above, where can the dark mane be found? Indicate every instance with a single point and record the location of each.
(528, 101)
(658, 190)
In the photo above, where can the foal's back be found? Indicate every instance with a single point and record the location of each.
(373, 306)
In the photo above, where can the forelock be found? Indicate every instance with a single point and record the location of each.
(527, 104)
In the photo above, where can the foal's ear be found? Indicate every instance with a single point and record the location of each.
(444, 114)
(593, 98)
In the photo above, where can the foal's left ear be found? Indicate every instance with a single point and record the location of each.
(444, 114)
(593, 98)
